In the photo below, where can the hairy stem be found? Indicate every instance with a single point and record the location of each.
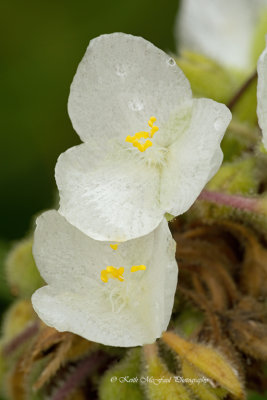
(20, 339)
(84, 368)
(231, 200)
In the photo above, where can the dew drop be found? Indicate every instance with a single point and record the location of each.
(171, 62)
(120, 70)
(135, 105)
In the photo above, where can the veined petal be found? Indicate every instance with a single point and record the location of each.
(221, 29)
(262, 94)
(113, 313)
(195, 157)
(120, 83)
(110, 196)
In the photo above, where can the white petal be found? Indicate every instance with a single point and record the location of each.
(120, 83)
(262, 94)
(221, 29)
(76, 300)
(195, 157)
(108, 196)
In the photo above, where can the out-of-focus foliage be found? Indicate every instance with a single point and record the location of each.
(256, 396)
(4, 291)
(259, 37)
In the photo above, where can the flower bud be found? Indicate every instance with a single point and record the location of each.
(22, 274)
(122, 381)
(236, 177)
(208, 362)
(159, 383)
(206, 77)
(16, 318)
(203, 391)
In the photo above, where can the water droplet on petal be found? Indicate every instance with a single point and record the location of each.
(136, 105)
(171, 62)
(120, 70)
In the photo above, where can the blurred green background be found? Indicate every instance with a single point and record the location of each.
(42, 44)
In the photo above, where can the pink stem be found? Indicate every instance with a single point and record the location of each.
(84, 368)
(230, 200)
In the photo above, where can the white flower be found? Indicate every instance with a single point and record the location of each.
(262, 94)
(220, 29)
(224, 32)
(110, 188)
(130, 310)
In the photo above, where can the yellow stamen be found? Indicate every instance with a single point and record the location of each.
(136, 268)
(151, 121)
(140, 135)
(130, 139)
(113, 273)
(136, 143)
(143, 135)
(114, 246)
(147, 144)
(154, 129)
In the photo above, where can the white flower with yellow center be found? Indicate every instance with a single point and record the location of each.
(149, 148)
(221, 29)
(116, 295)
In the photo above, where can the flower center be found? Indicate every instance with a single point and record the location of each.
(122, 295)
(135, 139)
(113, 273)
(116, 273)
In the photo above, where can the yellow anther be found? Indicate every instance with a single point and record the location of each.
(154, 129)
(143, 135)
(114, 246)
(113, 273)
(136, 268)
(141, 147)
(111, 269)
(147, 144)
(151, 121)
(104, 276)
(140, 135)
(136, 143)
(130, 139)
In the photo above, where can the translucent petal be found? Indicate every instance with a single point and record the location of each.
(195, 157)
(221, 29)
(120, 83)
(109, 196)
(262, 94)
(129, 313)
